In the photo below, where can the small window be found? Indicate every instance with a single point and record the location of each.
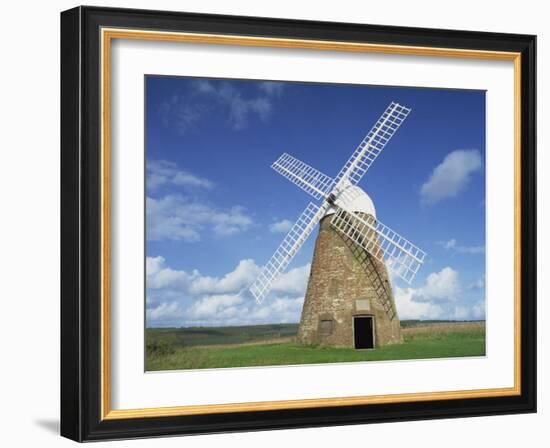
(325, 327)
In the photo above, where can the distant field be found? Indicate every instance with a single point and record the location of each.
(196, 336)
(267, 345)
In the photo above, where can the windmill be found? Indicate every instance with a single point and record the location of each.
(349, 299)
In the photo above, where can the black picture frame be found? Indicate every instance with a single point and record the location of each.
(81, 224)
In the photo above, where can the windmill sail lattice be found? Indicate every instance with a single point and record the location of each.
(373, 143)
(294, 239)
(307, 178)
(367, 232)
(400, 255)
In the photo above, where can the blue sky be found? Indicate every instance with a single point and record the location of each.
(216, 211)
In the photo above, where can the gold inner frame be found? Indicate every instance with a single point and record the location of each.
(107, 35)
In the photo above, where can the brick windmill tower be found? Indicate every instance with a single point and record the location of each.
(349, 300)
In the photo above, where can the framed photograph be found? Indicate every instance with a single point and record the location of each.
(276, 224)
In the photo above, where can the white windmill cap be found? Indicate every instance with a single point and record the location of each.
(359, 202)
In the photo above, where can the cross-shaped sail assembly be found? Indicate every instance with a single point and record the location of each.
(384, 244)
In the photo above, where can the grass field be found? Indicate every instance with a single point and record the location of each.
(268, 345)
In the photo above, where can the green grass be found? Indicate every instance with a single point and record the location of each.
(436, 340)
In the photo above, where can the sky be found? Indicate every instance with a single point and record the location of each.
(216, 211)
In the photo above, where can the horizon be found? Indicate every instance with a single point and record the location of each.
(297, 323)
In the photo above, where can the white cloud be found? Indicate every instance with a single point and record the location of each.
(226, 309)
(455, 247)
(241, 109)
(175, 217)
(281, 226)
(180, 298)
(185, 110)
(475, 311)
(451, 244)
(177, 297)
(214, 306)
(160, 276)
(293, 282)
(280, 310)
(178, 113)
(204, 86)
(153, 265)
(439, 286)
(272, 88)
(441, 297)
(408, 308)
(164, 311)
(451, 176)
(478, 310)
(478, 284)
(234, 310)
(161, 172)
(460, 313)
(243, 275)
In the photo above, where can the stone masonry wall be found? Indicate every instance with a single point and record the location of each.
(339, 289)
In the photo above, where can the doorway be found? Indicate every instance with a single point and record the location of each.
(363, 332)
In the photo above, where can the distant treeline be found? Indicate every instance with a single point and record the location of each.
(267, 328)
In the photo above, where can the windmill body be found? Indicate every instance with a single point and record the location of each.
(349, 300)
(348, 290)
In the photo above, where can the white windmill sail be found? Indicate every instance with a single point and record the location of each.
(309, 179)
(292, 242)
(384, 244)
(373, 143)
